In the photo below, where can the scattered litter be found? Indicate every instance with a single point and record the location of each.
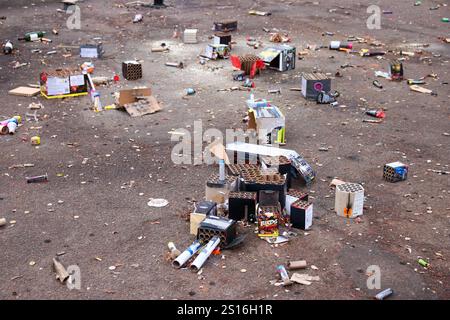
(24, 91)
(304, 279)
(158, 203)
(61, 272)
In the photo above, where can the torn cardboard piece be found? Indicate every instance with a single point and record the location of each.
(24, 91)
(138, 102)
(218, 150)
(303, 278)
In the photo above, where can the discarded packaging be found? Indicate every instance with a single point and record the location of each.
(304, 279)
(174, 252)
(61, 272)
(158, 203)
(138, 18)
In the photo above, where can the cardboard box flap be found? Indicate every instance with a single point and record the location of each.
(145, 106)
(129, 95)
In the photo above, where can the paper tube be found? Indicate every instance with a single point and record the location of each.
(293, 265)
(186, 255)
(205, 253)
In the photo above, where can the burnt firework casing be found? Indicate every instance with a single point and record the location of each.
(292, 196)
(212, 226)
(301, 214)
(242, 205)
(395, 171)
(226, 25)
(315, 83)
(131, 70)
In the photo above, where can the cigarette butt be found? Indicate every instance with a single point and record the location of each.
(2, 222)
(300, 264)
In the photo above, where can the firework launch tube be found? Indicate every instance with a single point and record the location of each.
(186, 255)
(205, 253)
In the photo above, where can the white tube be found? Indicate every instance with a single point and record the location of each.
(205, 253)
(335, 45)
(221, 170)
(186, 255)
(12, 127)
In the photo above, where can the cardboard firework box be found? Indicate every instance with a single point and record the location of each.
(91, 51)
(221, 227)
(315, 83)
(268, 221)
(249, 63)
(293, 196)
(349, 200)
(301, 214)
(395, 171)
(242, 205)
(63, 83)
(226, 25)
(217, 51)
(265, 180)
(268, 119)
(281, 163)
(281, 58)
(222, 38)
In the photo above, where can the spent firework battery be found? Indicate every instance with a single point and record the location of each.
(242, 205)
(260, 180)
(301, 215)
(349, 200)
(131, 70)
(237, 169)
(268, 221)
(282, 163)
(293, 195)
(217, 190)
(395, 171)
(249, 63)
(37, 179)
(315, 83)
(214, 226)
(226, 25)
(222, 38)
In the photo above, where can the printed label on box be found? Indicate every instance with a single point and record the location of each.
(77, 80)
(57, 86)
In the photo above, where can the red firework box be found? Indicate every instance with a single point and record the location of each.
(248, 63)
(269, 218)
